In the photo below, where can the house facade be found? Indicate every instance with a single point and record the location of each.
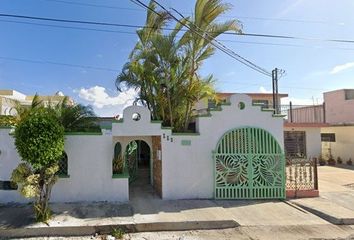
(237, 152)
(9, 99)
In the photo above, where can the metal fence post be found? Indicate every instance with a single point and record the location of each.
(291, 111)
(315, 173)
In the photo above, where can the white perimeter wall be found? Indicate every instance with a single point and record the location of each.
(89, 169)
(313, 139)
(187, 171)
(343, 146)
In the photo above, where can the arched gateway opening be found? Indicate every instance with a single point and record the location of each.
(138, 162)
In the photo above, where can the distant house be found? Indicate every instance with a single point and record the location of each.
(338, 137)
(326, 129)
(9, 98)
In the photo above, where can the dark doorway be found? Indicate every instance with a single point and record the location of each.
(138, 161)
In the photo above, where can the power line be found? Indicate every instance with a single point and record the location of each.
(252, 65)
(69, 27)
(58, 63)
(140, 26)
(184, 12)
(214, 42)
(134, 33)
(115, 70)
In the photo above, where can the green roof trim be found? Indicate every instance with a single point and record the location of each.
(6, 127)
(166, 127)
(279, 115)
(267, 110)
(204, 115)
(215, 109)
(258, 104)
(122, 175)
(185, 134)
(156, 121)
(63, 176)
(107, 127)
(83, 133)
(118, 121)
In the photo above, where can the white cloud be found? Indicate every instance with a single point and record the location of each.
(263, 90)
(99, 97)
(342, 67)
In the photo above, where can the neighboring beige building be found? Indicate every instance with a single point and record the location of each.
(338, 136)
(9, 98)
(339, 106)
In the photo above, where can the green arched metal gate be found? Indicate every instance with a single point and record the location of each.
(249, 164)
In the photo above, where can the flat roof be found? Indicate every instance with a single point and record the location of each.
(227, 94)
(313, 125)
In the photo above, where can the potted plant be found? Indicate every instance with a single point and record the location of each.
(321, 161)
(339, 160)
(350, 162)
(331, 161)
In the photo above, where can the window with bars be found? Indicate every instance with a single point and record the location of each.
(8, 185)
(295, 144)
(117, 163)
(328, 137)
(63, 165)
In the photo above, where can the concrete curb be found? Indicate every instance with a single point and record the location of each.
(330, 218)
(107, 229)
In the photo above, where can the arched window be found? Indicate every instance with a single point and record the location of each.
(117, 163)
(63, 165)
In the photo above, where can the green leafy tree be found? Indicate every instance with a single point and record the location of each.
(39, 140)
(165, 70)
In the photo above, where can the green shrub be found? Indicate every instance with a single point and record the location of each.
(39, 140)
(118, 233)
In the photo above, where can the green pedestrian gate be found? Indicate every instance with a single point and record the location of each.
(249, 164)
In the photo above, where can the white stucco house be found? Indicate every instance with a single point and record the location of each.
(237, 152)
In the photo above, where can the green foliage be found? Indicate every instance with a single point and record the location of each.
(76, 118)
(118, 233)
(39, 138)
(7, 121)
(165, 70)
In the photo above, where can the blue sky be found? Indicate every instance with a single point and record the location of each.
(312, 67)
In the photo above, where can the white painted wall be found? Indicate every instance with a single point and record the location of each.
(188, 171)
(313, 139)
(89, 168)
(343, 146)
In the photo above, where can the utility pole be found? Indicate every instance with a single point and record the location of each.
(275, 74)
(275, 89)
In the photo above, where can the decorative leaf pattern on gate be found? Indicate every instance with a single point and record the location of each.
(231, 170)
(249, 163)
(267, 170)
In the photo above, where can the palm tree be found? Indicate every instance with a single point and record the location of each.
(75, 117)
(203, 29)
(165, 70)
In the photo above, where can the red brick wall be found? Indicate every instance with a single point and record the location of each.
(157, 165)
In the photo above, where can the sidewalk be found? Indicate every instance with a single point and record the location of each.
(147, 212)
(152, 215)
(336, 201)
